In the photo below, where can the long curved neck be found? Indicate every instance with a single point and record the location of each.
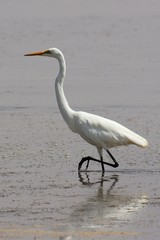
(66, 111)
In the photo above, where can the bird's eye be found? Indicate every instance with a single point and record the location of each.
(48, 52)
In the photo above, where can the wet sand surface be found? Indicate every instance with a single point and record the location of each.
(112, 53)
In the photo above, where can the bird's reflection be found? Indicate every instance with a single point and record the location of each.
(108, 205)
(84, 178)
(95, 207)
(104, 209)
(84, 214)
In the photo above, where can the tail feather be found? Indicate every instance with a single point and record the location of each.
(138, 140)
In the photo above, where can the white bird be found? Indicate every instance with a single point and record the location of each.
(98, 131)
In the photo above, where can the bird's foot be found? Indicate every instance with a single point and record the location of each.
(114, 165)
(87, 164)
(88, 160)
(82, 161)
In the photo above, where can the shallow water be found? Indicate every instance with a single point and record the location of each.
(113, 71)
(42, 195)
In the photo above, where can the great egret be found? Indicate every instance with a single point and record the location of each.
(98, 131)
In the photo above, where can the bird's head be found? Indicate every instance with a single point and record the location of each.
(50, 52)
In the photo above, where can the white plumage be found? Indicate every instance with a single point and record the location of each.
(98, 131)
(105, 133)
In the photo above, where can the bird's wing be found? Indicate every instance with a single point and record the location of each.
(105, 133)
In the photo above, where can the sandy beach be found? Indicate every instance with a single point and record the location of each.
(112, 54)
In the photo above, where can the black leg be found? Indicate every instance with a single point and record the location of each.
(86, 159)
(114, 160)
(87, 165)
(115, 165)
(102, 164)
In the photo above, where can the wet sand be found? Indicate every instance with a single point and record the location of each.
(112, 54)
